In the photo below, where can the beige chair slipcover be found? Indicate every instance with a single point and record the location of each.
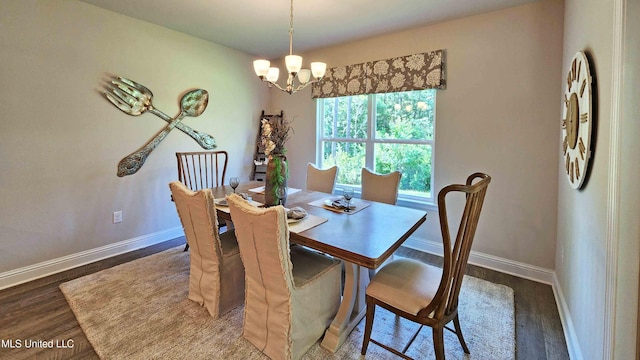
(201, 170)
(292, 293)
(323, 180)
(380, 187)
(216, 274)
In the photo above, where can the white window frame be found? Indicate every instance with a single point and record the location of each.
(404, 199)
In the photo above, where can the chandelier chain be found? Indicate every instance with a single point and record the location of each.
(291, 29)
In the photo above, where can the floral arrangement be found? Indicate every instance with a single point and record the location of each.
(275, 134)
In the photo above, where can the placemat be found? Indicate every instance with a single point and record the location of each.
(260, 190)
(358, 203)
(306, 223)
(225, 208)
(294, 226)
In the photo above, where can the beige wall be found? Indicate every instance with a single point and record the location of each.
(627, 299)
(500, 114)
(582, 225)
(60, 140)
(598, 233)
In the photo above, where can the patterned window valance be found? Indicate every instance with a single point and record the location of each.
(405, 73)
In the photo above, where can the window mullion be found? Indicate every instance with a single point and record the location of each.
(319, 130)
(400, 141)
(371, 118)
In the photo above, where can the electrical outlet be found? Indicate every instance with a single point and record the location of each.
(117, 217)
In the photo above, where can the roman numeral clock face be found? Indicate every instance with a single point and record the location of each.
(576, 121)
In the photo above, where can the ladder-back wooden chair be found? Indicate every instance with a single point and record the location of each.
(202, 169)
(199, 170)
(428, 295)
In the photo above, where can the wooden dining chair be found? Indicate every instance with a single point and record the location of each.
(292, 293)
(216, 274)
(202, 170)
(380, 187)
(322, 180)
(426, 294)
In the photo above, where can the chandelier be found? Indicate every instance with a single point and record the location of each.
(298, 78)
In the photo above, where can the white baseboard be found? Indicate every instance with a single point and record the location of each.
(535, 273)
(50, 267)
(567, 324)
(511, 267)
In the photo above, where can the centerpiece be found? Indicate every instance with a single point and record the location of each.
(275, 133)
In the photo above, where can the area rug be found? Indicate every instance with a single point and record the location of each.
(140, 310)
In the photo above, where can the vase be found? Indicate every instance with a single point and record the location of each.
(276, 178)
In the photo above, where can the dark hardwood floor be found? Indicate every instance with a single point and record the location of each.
(37, 310)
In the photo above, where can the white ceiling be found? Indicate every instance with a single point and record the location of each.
(261, 27)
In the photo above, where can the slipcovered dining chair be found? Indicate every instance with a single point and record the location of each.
(380, 187)
(201, 170)
(216, 274)
(428, 295)
(292, 293)
(323, 180)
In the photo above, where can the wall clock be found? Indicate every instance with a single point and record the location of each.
(576, 121)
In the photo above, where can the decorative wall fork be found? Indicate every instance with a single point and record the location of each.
(134, 99)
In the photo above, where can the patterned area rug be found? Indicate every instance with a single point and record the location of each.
(140, 310)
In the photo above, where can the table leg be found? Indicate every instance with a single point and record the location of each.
(352, 308)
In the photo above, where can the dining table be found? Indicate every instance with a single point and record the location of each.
(363, 239)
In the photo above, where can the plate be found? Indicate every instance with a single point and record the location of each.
(293, 221)
(222, 202)
(328, 204)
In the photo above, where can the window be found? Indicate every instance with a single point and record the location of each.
(383, 132)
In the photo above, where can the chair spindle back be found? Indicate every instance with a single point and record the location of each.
(202, 169)
(456, 257)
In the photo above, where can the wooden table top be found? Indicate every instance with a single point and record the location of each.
(366, 238)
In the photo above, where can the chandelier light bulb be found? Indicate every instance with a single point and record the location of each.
(294, 63)
(318, 69)
(304, 75)
(261, 67)
(273, 74)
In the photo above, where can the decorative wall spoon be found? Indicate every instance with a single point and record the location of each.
(134, 99)
(192, 104)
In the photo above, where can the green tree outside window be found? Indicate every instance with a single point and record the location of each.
(397, 134)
